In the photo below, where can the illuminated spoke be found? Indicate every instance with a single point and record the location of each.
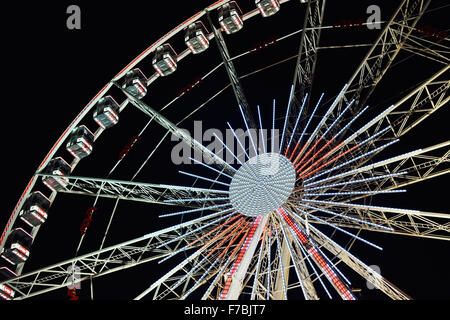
(261, 130)
(237, 139)
(342, 230)
(211, 168)
(346, 217)
(249, 132)
(296, 123)
(203, 178)
(355, 181)
(197, 210)
(286, 118)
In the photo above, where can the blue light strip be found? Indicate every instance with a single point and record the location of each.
(346, 217)
(209, 167)
(273, 127)
(356, 181)
(312, 266)
(196, 230)
(337, 119)
(203, 178)
(248, 130)
(285, 118)
(261, 130)
(351, 121)
(296, 121)
(342, 230)
(310, 118)
(197, 210)
(333, 265)
(237, 139)
(351, 193)
(226, 147)
(350, 161)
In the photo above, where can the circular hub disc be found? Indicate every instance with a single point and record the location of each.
(262, 184)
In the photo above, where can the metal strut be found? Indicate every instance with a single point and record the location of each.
(307, 55)
(232, 74)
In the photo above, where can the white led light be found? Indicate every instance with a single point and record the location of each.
(262, 184)
(348, 162)
(356, 181)
(342, 230)
(298, 118)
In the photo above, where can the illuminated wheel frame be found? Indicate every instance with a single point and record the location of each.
(227, 253)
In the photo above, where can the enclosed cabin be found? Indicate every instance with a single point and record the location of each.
(230, 17)
(165, 60)
(135, 83)
(6, 293)
(80, 142)
(196, 37)
(17, 246)
(56, 167)
(106, 114)
(7, 273)
(34, 210)
(267, 7)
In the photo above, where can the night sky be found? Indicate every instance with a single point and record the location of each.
(53, 72)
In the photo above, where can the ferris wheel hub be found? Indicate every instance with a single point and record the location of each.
(262, 184)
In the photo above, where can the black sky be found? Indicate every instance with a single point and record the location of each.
(52, 72)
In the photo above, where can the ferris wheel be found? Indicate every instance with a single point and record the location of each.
(278, 218)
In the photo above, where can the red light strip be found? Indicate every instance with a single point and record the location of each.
(289, 221)
(327, 163)
(246, 244)
(229, 235)
(309, 151)
(346, 294)
(318, 152)
(227, 285)
(299, 154)
(323, 157)
(216, 228)
(240, 256)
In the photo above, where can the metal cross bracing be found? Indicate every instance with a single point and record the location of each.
(437, 51)
(299, 263)
(417, 166)
(372, 69)
(403, 220)
(379, 58)
(416, 106)
(403, 224)
(216, 257)
(357, 265)
(405, 114)
(307, 57)
(156, 245)
(167, 124)
(139, 191)
(92, 103)
(409, 112)
(232, 74)
(382, 53)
